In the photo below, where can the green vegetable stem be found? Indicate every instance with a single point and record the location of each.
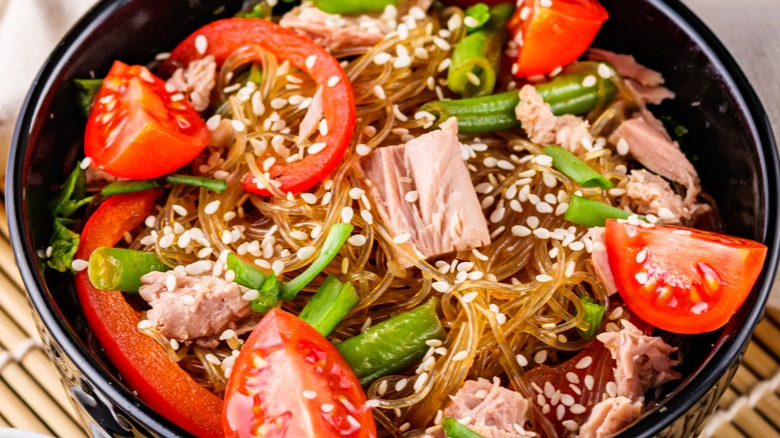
(393, 344)
(594, 316)
(267, 286)
(576, 169)
(453, 429)
(329, 305)
(476, 59)
(121, 269)
(121, 187)
(353, 6)
(592, 213)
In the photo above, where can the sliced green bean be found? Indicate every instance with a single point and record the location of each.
(329, 305)
(594, 316)
(348, 7)
(215, 185)
(476, 59)
(121, 269)
(121, 187)
(592, 213)
(453, 429)
(576, 169)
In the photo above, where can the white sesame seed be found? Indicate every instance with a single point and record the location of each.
(400, 385)
(584, 363)
(201, 44)
(347, 213)
(79, 265)
(317, 148)
(469, 297)
(479, 255)
(306, 252)
(622, 147)
(570, 425)
(309, 198)
(542, 233)
(367, 216)
(362, 149)
(440, 286)
(543, 278)
(441, 43)
(333, 80)
(641, 277)
(238, 125)
(539, 357)
(311, 60)
(420, 382)
(278, 267)
(412, 196)
(145, 324)
(402, 238)
(382, 58)
(604, 71)
(326, 407)
(589, 81)
(309, 394)
(521, 231)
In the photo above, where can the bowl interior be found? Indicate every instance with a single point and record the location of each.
(728, 140)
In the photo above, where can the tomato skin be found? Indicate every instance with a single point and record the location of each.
(283, 358)
(225, 36)
(135, 130)
(463, 4)
(680, 279)
(554, 36)
(162, 384)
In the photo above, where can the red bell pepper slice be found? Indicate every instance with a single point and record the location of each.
(162, 384)
(223, 37)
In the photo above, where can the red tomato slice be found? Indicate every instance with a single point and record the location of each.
(681, 279)
(137, 130)
(162, 384)
(552, 36)
(223, 37)
(291, 381)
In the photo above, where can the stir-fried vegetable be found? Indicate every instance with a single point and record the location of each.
(592, 213)
(121, 269)
(329, 305)
(225, 36)
(576, 169)
(476, 59)
(119, 187)
(567, 93)
(392, 345)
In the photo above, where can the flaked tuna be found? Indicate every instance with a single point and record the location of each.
(610, 416)
(196, 81)
(489, 409)
(642, 361)
(647, 193)
(198, 307)
(423, 189)
(545, 128)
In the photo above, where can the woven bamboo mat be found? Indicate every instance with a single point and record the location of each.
(32, 397)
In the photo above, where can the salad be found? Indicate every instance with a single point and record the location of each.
(393, 218)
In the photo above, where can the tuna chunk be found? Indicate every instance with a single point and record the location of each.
(545, 128)
(443, 213)
(642, 361)
(196, 81)
(658, 154)
(198, 307)
(647, 193)
(627, 67)
(338, 32)
(609, 417)
(600, 260)
(489, 409)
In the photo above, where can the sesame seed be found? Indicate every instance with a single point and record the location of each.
(306, 252)
(420, 382)
(666, 214)
(539, 357)
(400, 385)
(356, 192)
(145, 324)
(440, 286)
(474, 79)
(311, 60)
(250, 295)
(469, 297)
(398, 114)
(543, 278)
(357, 240)
(622, 147)
(317, 148)
(521, 231)
(570, 425)
(470, 21)
(479, 255)
(362, 149)
(347, 213)
(542, 233)
(309, 394)
(412, 196)
(174, 344)
(589, 81)
(382, 58)
(441, 43)
(641, 256)
(327, 407)
(604, 71)
(201, 44)
(187, 299)
(278, 267)
(367, 216)
(402, 238)
(238, 125)
(641, 277)
(333, 80)
(444, 65)
(584, 363)
(309, 198)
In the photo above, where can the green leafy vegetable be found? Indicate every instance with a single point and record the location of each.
(87, 90)
(72, 194)
(64, 244)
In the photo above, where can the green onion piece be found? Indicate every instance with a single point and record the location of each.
(87, 90)
(268, 295)
(476, 59)
(576, 169)
(393, 344)
(245, 274)
(121, 269)
(480, 13)
(215, 185)
(122, 187)
(338, 234)
(329, 305)
(348, 7)
(453, 429)
(592, 213)
(259, 10)
(594, 316)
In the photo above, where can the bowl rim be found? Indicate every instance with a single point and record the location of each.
(757, 126)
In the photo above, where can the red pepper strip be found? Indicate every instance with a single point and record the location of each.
(162, 384)
(223, 37)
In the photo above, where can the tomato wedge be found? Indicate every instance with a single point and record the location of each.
(139, 130)
(553, 34)
(291, 381)
(223, 37)
(681, 279)
(162, 384)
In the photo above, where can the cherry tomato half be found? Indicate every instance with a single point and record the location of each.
(681, 279)
(555, 34)
(291, 381)
(139, 130)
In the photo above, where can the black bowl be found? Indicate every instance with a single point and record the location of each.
(729, 136)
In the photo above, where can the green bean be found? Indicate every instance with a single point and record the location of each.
(267, 295)
(476, 59)
(121, 269)
(347, 7)
(121, 187)
(329, 305)
(215, 185)
(576, 169)
(592, 213)
(247, 275)
(393, 344)
(571, 93)
(337, 235)
(453, 429)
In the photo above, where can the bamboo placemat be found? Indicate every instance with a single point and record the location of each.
(32, 397)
